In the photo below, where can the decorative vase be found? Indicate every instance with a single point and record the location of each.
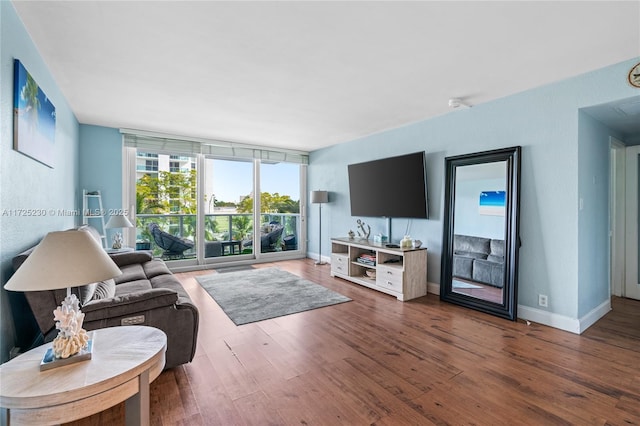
(406, 242)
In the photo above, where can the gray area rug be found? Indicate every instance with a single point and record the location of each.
(259, 294)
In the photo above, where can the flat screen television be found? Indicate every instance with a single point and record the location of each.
(390, 187)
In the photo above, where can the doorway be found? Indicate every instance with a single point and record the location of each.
(632, 280)
(624, 161)
(617, 216)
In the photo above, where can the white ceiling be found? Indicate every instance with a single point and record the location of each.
(305, 75)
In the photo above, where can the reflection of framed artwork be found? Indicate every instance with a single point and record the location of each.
(34, 118)
(492, 203)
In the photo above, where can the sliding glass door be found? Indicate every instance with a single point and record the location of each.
(228, 224)
(279, 207)
(198, 209)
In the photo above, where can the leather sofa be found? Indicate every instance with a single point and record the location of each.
(146, 293)
(478, 259)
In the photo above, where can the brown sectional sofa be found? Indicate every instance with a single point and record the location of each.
(146, 293)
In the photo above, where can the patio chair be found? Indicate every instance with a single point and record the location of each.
(173, 246)
(269, 241)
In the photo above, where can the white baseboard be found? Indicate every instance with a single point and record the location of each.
(549, 318)
(314, 256)
(593, 316)
(535, 315)
(562, 322)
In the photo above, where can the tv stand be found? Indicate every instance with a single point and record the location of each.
(400, 273)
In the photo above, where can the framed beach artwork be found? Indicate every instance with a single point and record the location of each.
(34, 118)
(492, 203)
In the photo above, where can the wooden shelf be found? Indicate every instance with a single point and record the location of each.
(399, 272)
(364, 265)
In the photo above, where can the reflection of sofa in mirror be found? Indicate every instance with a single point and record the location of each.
(269, 238)
(478, 259)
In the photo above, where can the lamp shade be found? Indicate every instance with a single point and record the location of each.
(318, 197)
(118, 221)
(63, 259)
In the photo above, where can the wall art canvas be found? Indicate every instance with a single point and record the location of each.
(492, 203)
(34, 118)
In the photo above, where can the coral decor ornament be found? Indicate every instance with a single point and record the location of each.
(72, 338)
(117, 241)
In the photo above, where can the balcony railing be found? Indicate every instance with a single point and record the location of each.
(145, 168)
(233, 231)
(179, 169)
(146, 155)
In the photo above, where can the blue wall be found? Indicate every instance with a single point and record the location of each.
(101, 166)
(593, 217)
(544, 121)
(25, 183)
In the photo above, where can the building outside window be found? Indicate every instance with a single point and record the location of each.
(151, 165)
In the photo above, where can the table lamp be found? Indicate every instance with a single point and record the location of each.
(118, 221)
(65, 259)
(320, 197)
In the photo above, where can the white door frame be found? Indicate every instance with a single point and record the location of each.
(617, 208)
(632, 281)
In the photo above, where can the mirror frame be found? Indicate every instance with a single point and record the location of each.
(507, 309)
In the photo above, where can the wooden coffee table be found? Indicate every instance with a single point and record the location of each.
(124, 361)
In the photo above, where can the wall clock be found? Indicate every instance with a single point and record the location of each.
(634, 76)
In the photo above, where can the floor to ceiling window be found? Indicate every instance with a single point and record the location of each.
(195, 201)
(279, 206)
(228, 228)
(166, 204)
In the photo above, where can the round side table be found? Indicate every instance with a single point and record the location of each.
(124, 361)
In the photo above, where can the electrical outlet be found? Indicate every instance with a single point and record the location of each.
(543, 300)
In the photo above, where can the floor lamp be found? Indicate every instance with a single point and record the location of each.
(319, 197)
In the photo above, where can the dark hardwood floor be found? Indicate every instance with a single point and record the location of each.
(376, 360)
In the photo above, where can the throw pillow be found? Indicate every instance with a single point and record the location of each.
(105, 290)
(86, 293)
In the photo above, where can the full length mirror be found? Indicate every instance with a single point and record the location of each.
(480, 237)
